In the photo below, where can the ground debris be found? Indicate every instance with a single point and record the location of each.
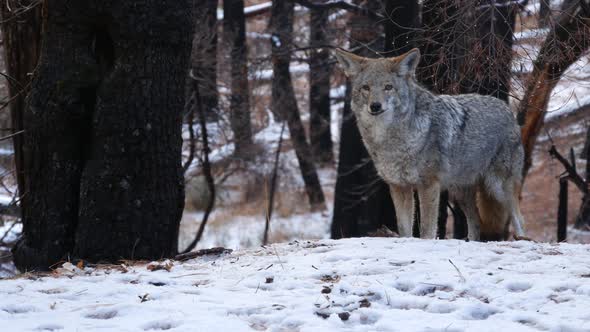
(156, 266)
(383, 231)
(202, 252)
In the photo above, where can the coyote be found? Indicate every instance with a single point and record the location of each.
(467, 144)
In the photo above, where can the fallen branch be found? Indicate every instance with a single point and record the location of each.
(202, 252)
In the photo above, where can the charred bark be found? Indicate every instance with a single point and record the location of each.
(102, 133)
(234, 30)
(320, 68)
(562, 211)
(284, 103)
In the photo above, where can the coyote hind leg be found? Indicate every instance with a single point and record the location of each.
(467, 200)
(403, 200)
(429, 201)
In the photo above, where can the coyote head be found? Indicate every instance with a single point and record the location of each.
(382, 89)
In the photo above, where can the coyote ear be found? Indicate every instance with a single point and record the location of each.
(408, 62)
(351, 63)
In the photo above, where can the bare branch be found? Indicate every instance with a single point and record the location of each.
(572, 175)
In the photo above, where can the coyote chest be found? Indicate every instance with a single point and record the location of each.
(398, 161)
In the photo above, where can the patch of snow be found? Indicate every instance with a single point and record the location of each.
(258, 35)
(11, 230)
(241, 232)
(249, 10)
(532, 33)
(363, 284)
(338, 92)
(267, 74)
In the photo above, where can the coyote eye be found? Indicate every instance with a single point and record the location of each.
(388, 87)
(366, 87)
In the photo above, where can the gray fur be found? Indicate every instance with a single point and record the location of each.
(427, 142)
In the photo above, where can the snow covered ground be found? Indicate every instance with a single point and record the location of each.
(366, 284)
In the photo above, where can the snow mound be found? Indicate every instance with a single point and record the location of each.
(366, 284)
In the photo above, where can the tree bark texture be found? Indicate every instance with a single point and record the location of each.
(362, 202)
(568, 39)
(204, 55)
(234, 29)
(319, 89)
(102, 147)
(284, 103)
(21, 33)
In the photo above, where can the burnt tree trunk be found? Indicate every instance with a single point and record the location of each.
(103, 133)
(568, 39)
(284, 103)
(320, 136)
(583, 217)
(21, 34)
(562, 211)
(234, 30)
(204, 56)
(362, 202)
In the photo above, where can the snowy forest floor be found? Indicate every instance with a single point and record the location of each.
(365, 284)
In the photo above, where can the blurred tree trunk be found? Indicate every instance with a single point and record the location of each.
(362, 203)
(204, 56)
(234, 30)
(284, 103)
(319, 89)
(583, 217)
(568, 39)
(21, 34)
(102, 133)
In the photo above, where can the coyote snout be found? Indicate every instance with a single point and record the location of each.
(467, 144)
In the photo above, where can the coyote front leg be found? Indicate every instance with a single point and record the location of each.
(403, 200)
(429, 199)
